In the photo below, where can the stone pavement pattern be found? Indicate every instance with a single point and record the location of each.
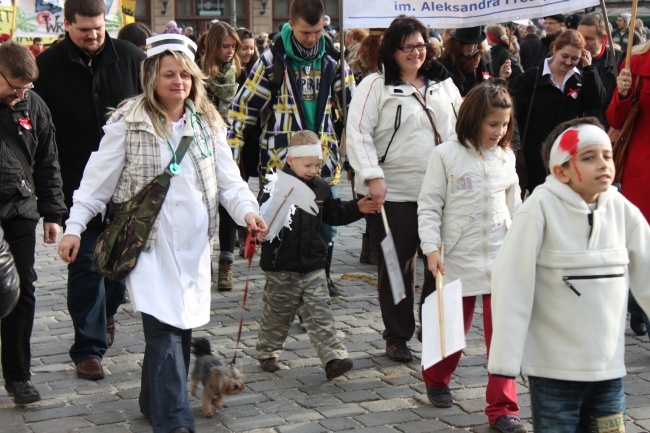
(377, 396)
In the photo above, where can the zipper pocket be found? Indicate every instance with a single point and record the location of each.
(586, 277)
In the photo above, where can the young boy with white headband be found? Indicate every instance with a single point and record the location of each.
(295, 262)
(560, 285)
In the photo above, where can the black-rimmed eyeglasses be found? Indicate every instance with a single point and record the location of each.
(408, 49)
(17, 89)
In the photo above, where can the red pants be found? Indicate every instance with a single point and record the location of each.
(501, 393)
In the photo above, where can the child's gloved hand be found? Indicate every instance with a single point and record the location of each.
(367, 205)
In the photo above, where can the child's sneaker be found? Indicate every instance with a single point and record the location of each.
(270, 364)
(440, 397)
(337, 367)
(509, 424)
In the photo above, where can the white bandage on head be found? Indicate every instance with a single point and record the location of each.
(567, 145)
(306, 150)
(170, 42)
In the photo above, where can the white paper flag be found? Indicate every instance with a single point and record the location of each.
(454, 337)
(393, 269)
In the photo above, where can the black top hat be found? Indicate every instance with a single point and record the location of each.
(469, 35)
(573, 20)
(558, 17)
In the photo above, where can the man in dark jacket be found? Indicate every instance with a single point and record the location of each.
(592, 28)
(554, 26)
(529, 47)
(30, 188)
(81, 77)
(295, 85)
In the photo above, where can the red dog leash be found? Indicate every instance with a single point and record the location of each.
(249, 252)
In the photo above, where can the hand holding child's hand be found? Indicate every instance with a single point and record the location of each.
(434, 262)
(367, 205)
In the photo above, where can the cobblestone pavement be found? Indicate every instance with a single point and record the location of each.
(377, 396)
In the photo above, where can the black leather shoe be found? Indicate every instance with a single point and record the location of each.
(23, 392)
(181, 430)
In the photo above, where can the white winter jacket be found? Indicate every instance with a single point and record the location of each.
(467, 201)
(380, 112)
(560, 285)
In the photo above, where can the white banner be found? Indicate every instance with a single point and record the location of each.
(454, 13)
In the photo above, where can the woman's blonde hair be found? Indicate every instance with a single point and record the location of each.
(218, 32)
(150, 74)
(640, 49)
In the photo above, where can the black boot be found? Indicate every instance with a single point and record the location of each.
(334, 292)
(367, 256)
(637, 324)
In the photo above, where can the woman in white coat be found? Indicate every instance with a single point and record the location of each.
(467, 200)
(170, 285)
(395, 120)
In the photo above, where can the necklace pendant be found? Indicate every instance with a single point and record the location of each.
(174, 168)
(307, 69)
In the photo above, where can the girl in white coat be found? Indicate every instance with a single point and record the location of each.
(467, 199)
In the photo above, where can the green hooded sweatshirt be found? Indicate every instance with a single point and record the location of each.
(307, 73)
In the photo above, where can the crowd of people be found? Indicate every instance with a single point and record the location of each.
(490, 144)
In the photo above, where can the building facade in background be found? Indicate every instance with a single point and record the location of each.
(256, 15)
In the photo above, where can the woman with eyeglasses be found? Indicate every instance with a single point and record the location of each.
(395, 120)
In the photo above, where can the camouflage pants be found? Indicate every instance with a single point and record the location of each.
(284, 294)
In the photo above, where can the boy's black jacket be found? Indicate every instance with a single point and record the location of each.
(301, 248)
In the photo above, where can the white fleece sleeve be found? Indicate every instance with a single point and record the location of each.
(513, 292)
(638, 248)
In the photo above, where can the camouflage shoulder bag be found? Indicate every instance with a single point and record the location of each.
(119, 246)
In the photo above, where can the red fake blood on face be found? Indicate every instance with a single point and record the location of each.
(569, 143)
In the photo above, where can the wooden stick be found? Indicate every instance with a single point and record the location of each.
(385, 220)
(630, 35)
(610, 43)
(441, 311)
(280, 207)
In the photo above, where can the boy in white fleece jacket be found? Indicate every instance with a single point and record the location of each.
(560, 285)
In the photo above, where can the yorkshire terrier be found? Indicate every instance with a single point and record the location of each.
(218, 380)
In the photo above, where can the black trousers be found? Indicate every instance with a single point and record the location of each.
(16, 328)
(399, 320)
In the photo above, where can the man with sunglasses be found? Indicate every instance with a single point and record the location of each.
(29, 170)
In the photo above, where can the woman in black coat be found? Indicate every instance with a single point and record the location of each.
(463, 58)
(559, 92)
(501, 51)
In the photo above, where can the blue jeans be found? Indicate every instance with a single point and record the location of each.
(327, 232)
(163, 392)
(91, 299)
(561, 406)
